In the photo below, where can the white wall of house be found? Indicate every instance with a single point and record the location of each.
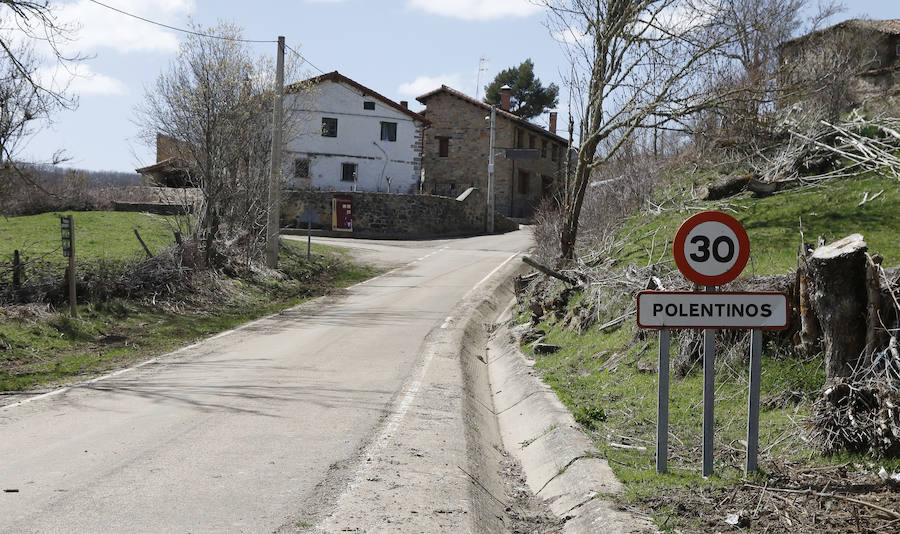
(358, 141)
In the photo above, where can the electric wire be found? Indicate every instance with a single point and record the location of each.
(200, 34)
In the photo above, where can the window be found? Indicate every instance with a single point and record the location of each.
(531, 141)
(554, 153)
(518, 138)
(368, 104)
(544, 148)
(301, 167)
(348, 172)
(523, 183)
(897, 51)
(329, 127)
(443, 146)
(388, 131)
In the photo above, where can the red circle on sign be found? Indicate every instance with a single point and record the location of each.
(680, 254)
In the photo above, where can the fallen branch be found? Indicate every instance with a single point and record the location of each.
(823, 495)
(549, 272)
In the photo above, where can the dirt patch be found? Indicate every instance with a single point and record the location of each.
(795, 498)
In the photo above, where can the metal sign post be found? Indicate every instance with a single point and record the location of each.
(710, 249)
(709, 394)
(662, 404)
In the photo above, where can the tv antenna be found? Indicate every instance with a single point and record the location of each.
(482, 67)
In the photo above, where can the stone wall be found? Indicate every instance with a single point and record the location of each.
(396, 216)
(519, 185)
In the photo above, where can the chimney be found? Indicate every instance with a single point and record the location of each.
(505, 93)
(404, 104)
(553, 122)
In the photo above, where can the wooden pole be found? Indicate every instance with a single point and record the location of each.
(753, 400)
(709, 395)
(141, 241)
(73, 298)
(17, 269)
(662, 404)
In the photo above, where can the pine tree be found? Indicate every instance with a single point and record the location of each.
(529, 97)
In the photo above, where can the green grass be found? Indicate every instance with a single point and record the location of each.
(118, 333)
(99, 235)
(773, 223)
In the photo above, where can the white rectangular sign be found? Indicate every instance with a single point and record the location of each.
(684, 309)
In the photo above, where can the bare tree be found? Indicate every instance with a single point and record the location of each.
(612, 45)
(215, 102)
(27, 99)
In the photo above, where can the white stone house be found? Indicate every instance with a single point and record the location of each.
(348, 137)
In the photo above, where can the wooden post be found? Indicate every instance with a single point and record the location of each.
(73, 298)
(709, 395)
(753, 400)
(17, 269)
(141, 241)
(662, 404)
(308, 237)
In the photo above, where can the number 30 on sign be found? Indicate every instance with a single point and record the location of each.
(711, 248)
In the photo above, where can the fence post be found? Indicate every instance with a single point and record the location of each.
(17, 269)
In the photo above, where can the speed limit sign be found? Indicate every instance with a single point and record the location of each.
(711, 248)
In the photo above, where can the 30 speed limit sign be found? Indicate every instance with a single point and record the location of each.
(711, 248)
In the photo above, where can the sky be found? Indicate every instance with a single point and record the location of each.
(399, 48)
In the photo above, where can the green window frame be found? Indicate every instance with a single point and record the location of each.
(329, 127)
(388, 131)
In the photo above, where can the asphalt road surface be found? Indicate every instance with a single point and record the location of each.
(245, 432)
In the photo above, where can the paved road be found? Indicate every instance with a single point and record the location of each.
(246, 432)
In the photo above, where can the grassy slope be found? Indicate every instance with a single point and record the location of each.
(597, 373)
(109, 335)
(98, 235)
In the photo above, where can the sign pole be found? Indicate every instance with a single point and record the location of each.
(709, 394)
(308, 237)
(753, 410)
(73, 303)
(662, 404)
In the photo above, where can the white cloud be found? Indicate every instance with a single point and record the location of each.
(80, 79)
(571, 36)
(424, 84)
(100, 27)
(476, 9)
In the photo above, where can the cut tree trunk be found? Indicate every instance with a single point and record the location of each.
(725, 188)
(836, 278)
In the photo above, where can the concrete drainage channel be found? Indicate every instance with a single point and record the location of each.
(524, 465)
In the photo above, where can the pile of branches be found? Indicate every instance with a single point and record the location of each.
(861, 413)
(169, 273)
(814, 149)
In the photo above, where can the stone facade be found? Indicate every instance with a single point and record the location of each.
(860, 59)
(396, 216)
(455, 153)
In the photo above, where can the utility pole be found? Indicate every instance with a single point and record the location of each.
(274, 210)
(489, 216)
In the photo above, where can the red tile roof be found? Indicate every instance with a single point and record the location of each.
(466, 98)
(336, 76)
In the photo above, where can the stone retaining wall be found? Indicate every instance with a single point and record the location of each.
(397, 216)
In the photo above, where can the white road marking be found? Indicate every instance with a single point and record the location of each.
(490, 274)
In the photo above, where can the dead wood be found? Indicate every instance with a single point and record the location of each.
(724, 188)
(549, 272)
(836, 279)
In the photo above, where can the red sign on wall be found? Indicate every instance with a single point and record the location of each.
(342, 213)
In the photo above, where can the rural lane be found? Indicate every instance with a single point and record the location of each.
(248, 431)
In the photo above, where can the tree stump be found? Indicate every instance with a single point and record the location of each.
(837, 290)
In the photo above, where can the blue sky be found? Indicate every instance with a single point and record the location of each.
(400, 48)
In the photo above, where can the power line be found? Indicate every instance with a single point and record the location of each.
(200, 34)
(304, 59)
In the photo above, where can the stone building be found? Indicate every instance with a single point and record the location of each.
(850, 64)
(456, 144)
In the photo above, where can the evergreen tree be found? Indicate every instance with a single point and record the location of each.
(529, 97)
